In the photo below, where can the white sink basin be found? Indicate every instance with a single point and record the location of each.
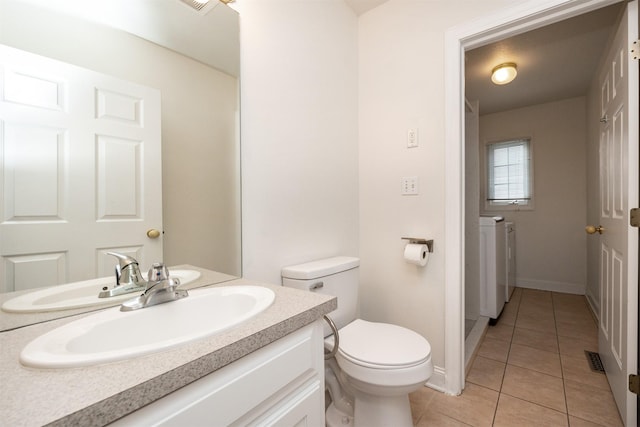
(78, 294)
(112, 334)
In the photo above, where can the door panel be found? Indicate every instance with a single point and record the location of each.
(119, 171)
(605, 290)
(80, 171)
(34, 194)
(619, 192)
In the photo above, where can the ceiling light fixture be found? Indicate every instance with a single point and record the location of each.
(504, 73)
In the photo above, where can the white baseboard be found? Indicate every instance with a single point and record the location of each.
(548, 285)
(472, 342)
(437, 380)
(594, 305)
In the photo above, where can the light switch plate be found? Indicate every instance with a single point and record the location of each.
(409, 185)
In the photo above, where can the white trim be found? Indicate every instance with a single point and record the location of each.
(437, 379)
(454, 215)
(634, 199)
(550, 285)
(472, 341)
(492, 27)
(594, 306)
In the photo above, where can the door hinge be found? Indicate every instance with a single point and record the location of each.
(634, 217)
(634, 384)
(635, 50)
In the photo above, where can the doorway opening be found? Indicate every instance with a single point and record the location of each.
(535, 134)
(497, 26)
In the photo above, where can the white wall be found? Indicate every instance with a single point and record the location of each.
(401, 85)
(550, 239)
(309, 190)
(199, 123)
(299, 133)
(471, 214)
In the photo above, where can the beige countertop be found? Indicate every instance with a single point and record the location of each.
(98, 395)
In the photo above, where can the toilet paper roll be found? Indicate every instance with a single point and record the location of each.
(417, 254)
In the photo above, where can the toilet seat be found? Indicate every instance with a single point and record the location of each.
(382, 358)
(382, 345)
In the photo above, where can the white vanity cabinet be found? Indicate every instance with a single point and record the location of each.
(281, 384)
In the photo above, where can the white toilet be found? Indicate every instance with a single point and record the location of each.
(378, 364)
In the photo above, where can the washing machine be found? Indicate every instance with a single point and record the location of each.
(493, 266)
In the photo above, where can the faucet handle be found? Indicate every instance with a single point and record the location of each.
(157, 273)
(127, 270)
(123, 260)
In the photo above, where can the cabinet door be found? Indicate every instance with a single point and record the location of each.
(297, 409)
(280, 384)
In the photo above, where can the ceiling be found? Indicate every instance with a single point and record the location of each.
(361, 6)
(164, 22)
(554, 62)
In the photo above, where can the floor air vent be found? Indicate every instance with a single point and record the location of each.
(594, 361)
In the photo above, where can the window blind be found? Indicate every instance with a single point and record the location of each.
(508, 165)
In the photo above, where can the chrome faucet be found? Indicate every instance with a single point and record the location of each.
(128, 277)
(160, 289)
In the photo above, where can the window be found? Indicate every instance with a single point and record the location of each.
(509, 173)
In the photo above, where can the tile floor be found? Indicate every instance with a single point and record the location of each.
(530, 370)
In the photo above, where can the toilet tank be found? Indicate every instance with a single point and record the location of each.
(336, 276)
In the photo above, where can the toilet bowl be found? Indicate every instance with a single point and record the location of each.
(383, 363)
(378, 364)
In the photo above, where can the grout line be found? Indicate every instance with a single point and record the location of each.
(557, 337)
(564, 388)
(506, 362)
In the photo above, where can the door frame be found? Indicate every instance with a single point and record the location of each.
(498, 25)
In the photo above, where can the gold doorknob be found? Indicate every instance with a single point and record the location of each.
(590, 229)
(153, 233)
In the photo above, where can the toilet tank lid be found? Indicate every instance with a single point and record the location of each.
(320, 268)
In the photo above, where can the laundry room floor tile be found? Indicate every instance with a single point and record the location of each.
(532, 374)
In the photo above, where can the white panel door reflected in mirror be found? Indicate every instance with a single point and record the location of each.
(200, 170)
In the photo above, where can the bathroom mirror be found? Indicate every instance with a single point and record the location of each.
(192, 57)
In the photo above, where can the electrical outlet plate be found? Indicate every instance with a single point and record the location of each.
(412, 138)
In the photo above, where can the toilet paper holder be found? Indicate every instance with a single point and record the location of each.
(419, 241)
